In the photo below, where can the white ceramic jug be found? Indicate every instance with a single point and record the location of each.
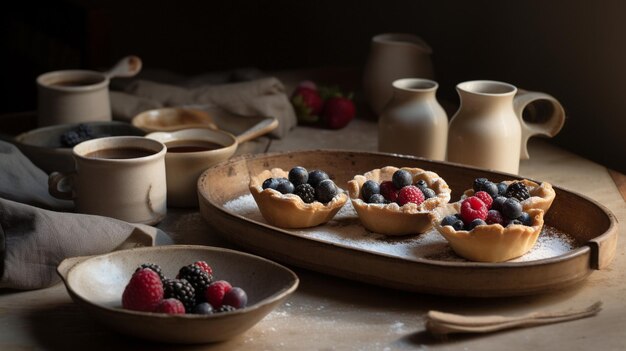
(413, 122)
(489, 130)
(393, 56)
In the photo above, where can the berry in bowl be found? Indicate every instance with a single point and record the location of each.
(178, 293)
(297, 198)
(397, 201)
(495, 222)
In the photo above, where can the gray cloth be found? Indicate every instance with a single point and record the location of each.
(264, 97)
(33, 240)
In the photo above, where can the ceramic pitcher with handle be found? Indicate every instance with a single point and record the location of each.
(489, 129)
(394, 56)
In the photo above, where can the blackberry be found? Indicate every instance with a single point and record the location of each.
(376, 199)
(316, 177)
(475, 223)
(285, 187)
(298, 175)
(369, 188)
(326, 191)
(422, 185)
(306, 192)
(182, 290)
(85, 131)
(70, 138)
(271, 183)
(511, 208)
(152, 266)
(196, 276)
(453, 221)
(428, 193)
(517, 190)
(224, 308)
(401, 178)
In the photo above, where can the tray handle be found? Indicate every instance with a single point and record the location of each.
(603, 248)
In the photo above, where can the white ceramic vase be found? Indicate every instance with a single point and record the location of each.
(413, 122)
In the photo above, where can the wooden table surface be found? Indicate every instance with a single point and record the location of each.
(328, 313)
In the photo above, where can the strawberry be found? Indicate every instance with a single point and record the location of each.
(308, 104)
(338, 112)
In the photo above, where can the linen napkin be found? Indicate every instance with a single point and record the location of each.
(264, 97)
(34, 240)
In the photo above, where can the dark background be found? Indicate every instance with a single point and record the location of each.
(573, 50)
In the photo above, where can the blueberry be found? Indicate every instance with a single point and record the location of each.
(475, 223)
(285, 187)
(401, 178)
(298, 175)
(316, 176)
(370, 188)
(482, 184)
(203, 308)
(326, 191)
(497, 203)
(271, 183)
(525, 219)
(453, 221)
(502, 188)
(421, 184)
(236, 297)
(376, 199)
(514, 221)
(428, 193)
(478, 184)
(511, 208)
(306, 192)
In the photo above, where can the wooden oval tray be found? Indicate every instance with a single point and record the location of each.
(393, 262)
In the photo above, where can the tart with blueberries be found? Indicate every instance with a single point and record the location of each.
(296, 198)
(397, 201)
(495, 222)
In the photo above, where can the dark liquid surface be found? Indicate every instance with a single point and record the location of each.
(120, 153)
(191, 146)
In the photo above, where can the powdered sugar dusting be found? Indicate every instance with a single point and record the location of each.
(346, 230)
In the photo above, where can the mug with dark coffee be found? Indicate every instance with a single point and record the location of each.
(120, 177)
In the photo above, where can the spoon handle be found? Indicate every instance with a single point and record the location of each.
(126, 67)
(445, 323)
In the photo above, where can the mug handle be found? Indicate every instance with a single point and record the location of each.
(550, 127)
(66, 181)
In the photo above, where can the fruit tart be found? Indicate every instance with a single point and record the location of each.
(397, 201)
(495, 222)
(296, 198)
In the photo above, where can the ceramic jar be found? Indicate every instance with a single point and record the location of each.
(413, 122)
(489, 130)
(393, 56)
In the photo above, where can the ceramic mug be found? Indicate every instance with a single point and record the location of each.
(189, 153)
(121, 177)
(72, 96)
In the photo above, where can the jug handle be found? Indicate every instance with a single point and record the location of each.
(550, 127)
(61, 185)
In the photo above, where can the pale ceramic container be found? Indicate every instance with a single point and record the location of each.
(184, 168)
(393, 56)
(489, 130)
(132, 189)
(413, 122)
(62, 104)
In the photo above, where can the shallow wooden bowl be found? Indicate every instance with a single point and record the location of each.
(394, 262)
(96, 283)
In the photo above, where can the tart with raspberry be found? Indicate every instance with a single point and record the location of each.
(495, 222)
(397, 201)
(296, 198)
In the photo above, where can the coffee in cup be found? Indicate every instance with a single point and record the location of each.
(121, 177)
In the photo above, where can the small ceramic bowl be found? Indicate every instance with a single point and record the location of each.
(43, 145)
(288, 210)
(174, 118)
(96, 283)
(392, 219)
(189, 153)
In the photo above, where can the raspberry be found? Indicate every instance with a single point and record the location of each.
(494, 217)
(170, 306)
(389, 191)
(152, 266)
(472, 208)
(143, 292)
(235, 297)
(205, 267)
(486, 198)
(215, 292)
(410, 193)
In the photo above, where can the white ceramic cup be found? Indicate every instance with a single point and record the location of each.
(72, 96)
(132, 188)
(189, 153)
